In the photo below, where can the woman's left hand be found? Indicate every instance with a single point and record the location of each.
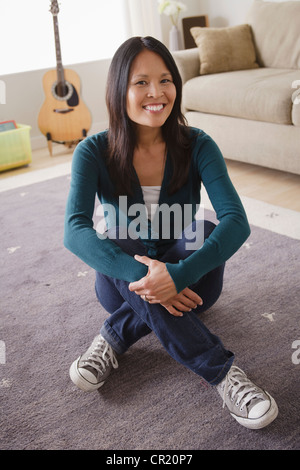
(157, 286)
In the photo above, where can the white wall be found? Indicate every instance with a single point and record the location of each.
(226, 13)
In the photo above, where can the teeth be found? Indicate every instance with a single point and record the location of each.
(155, 108)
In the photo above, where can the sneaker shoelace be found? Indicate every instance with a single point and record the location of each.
(101, 357)
(238, 385)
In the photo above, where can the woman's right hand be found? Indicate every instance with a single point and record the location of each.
(185, 301)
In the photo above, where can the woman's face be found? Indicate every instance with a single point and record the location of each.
(151, 92)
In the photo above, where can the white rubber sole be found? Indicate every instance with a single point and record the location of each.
(80, 381)
(261, 422)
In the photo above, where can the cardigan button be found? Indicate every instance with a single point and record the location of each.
(152, 252)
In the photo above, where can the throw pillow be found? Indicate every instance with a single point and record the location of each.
(225, 49)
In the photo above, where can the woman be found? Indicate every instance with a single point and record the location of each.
(155, 270)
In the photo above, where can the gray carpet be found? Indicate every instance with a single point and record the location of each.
(49, 314)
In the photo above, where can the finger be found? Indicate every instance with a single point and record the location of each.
(134, 286)
(185, 301)
(194, 303)
(173, 311)
(143, 259)
(182, 307)
(152, 300)
(192, 295)
(137, 286)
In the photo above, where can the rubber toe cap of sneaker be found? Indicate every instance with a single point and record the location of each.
(259, 409)
(87, 375)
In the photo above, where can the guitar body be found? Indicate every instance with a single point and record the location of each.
(63, 117)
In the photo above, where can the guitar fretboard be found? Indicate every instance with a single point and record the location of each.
(59, 66)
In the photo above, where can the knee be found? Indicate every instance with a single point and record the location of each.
(208, 228)
(196, 234)
(210, 287)
(121, 237)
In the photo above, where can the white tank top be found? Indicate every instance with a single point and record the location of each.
(151, 198)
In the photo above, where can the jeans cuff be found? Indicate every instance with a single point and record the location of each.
(224, 371)
(109, 335)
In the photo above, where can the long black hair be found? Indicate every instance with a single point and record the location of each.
(121, 133)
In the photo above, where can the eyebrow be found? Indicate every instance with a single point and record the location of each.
(146, 76)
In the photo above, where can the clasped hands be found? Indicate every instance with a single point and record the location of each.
(157, 287)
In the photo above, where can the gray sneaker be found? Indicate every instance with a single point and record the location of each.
(249, 404)
(90, 370)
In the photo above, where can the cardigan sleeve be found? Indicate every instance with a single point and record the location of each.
(80, 237)
(233, 227)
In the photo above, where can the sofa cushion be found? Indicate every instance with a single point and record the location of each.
(276, 32)
(225, 49)
(263, 94)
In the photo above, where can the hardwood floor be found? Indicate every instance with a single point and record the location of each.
(41, 159)
(271, 186)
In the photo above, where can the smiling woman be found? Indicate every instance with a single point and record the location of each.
(151, 92)
(158, 283)
(142, 74)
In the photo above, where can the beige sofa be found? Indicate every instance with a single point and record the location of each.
(241, 86)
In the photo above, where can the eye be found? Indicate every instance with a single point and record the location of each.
(166, 80)
(141, 82)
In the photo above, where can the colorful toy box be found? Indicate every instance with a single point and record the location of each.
(15, 147)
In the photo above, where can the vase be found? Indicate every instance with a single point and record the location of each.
(175, 43)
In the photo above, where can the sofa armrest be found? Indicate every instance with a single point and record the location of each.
(188, 63)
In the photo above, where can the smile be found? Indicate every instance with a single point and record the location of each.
(154, 108)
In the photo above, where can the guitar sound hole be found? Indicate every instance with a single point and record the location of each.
(61, 90)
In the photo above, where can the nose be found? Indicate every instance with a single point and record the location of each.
(155, 90)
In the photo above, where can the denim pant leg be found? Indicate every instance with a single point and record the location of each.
(124, 327)
(185, 338)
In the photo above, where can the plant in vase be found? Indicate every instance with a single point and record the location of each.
(172, 9)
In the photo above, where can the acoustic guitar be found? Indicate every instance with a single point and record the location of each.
(64, 118)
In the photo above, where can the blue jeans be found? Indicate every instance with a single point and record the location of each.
(185, 338)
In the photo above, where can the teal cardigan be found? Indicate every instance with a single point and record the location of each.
(90, 178)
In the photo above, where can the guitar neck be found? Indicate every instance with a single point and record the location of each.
(59, 66)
